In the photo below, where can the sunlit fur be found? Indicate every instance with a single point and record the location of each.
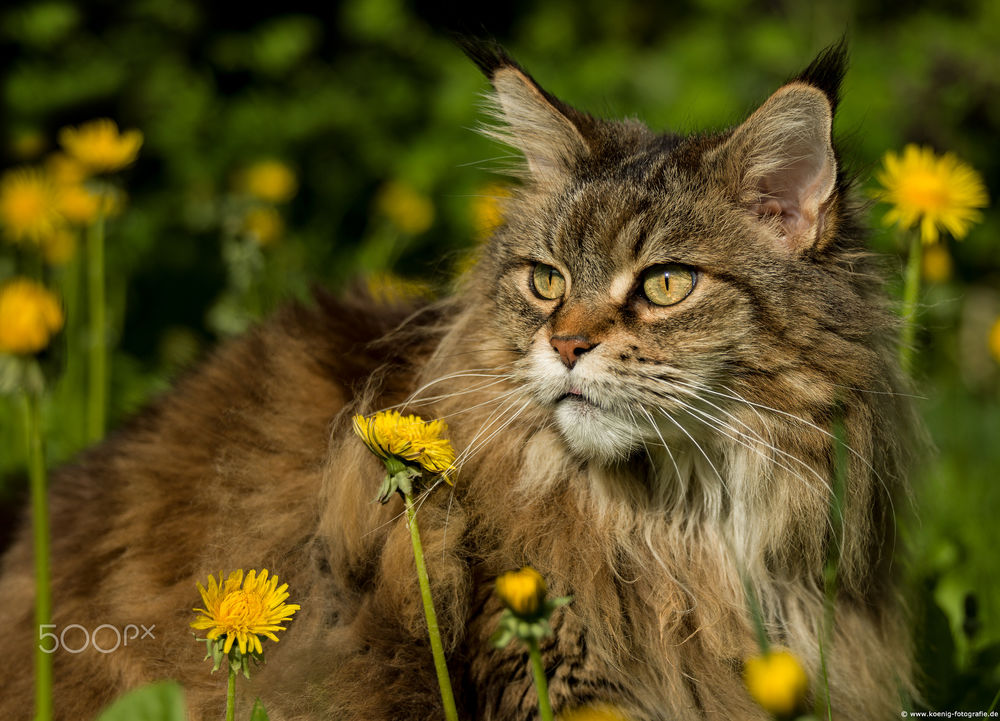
(695, 452)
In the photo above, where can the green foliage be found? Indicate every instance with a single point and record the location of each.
(163, 701)
(258, 713)
(375, 93)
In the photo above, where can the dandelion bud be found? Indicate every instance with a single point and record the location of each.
(777, 682)
(523, 592)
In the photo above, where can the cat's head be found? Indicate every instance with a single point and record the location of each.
(644, 279)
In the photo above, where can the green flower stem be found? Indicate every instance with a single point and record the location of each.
(40, 526)
(231, 694)
(911, 294)
(98, 381)
(444, 680)
(993, 705)
(541, 684)
(71, 395)
(757, 616)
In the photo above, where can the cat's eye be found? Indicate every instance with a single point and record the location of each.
(548, 282)
(668, 284)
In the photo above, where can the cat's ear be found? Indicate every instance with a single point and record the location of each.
(782, 157)
(546, 130)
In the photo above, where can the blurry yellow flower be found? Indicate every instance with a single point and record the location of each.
(937, 265)
(28, 205)
(99, 146)
(59, 247)
(264, 225)
(777, 682)
(995, 340)
(593, 713)
(28, 144)
(523, 592)
(486, 209)
(29, 316)
(78, 205)
(939, 193)
(269, 180)
(410, 439)
(390, 289)
(405, 208)
(244, 611)
(65, 169)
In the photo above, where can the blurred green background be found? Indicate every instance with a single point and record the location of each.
(371, 107)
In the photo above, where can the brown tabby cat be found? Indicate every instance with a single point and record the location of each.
(641, 376)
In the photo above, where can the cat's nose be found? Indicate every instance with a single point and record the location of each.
(571, 348)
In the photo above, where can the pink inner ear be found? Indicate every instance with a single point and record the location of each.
(797, 222)
(768, 207)
(797, 193)
(788, 164)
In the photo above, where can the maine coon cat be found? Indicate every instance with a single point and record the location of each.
(641, 375)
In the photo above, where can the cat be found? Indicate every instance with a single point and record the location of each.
(641, 375)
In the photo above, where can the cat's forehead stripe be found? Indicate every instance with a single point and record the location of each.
(620, 286)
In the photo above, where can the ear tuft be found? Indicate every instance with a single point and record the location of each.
(827, 71)
(488, 55)
(528, 118)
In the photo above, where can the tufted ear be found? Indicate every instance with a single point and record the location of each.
(543, 128)
(782, 158)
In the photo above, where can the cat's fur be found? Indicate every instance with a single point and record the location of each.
(250, 462)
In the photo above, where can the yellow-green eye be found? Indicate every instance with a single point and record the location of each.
(548, 282)
(668, 284)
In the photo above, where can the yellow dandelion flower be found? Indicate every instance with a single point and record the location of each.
(244, 610)
(30, 315)
(523, 592)
(60, 247)
(487, 209)
(99, 147)
(391, 435)
(264, 225)
(599, 712)
(269, 180)
(29, 208)
(936, 192)
(777, 682)
(407, 209)
(995, 340)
